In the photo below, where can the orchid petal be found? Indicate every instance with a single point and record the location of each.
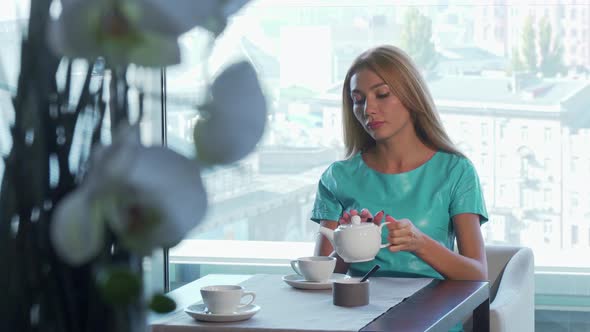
(237, 119)
(152, 196)
(174, 17)
(166, 188)
(77, 231)
(155, 51)
(80, 32)
(161, 16)
(178, 16)
(107, 162)
(232, 6)
(175, 182)
(74, 42)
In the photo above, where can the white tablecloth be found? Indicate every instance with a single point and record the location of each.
(284, 308)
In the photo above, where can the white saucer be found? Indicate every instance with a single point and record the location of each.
(199, 312)
(298, 281)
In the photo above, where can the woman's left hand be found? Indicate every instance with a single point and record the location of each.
(404, 236)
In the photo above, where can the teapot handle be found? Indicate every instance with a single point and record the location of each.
(384, 245)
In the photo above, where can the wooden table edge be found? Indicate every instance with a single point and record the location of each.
(437, 307)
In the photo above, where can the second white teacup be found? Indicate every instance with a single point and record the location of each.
(225, 299)
(314, 268)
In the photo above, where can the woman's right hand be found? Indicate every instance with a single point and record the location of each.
(365, 215)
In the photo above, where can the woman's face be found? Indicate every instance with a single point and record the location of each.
(375, 106)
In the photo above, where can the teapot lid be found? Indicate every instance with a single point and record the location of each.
(355, 222)
(356, 226)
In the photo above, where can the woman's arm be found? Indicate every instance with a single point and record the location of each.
(323, 247)
(470, 263)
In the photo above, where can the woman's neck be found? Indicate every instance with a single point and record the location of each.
(398, 155)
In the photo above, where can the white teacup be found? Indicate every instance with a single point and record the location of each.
(225, 299)
(314, 268)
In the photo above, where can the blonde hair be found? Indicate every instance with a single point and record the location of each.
(398, 71)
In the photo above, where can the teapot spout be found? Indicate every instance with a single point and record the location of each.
(328, 233)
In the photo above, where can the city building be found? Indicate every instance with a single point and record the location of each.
(498, 27)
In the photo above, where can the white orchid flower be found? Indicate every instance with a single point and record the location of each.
(183, 15)
(77, 229)
(157, 201)
(143, 32)
(150, 197)
(236, 116)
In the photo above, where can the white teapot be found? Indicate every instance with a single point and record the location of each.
(356, 242)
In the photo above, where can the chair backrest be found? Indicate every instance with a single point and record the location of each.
(498, 257)
(512, 289)
(511, 276)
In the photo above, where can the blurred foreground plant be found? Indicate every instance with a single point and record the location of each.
(76, 223)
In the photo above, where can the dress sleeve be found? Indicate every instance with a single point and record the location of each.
(326, 205)
(467, 196)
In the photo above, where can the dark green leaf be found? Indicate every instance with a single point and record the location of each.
(162, 304)
(118, 285)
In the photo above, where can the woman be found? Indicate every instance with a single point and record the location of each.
(401, 163)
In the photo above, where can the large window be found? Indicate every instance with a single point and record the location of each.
(524, 125)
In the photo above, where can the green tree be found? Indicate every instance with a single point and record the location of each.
(515, 63)
(416, 39)
(528, 49)
(551, 54)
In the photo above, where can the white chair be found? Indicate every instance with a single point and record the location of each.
(512, 289)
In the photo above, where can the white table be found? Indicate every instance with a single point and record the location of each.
(284, 308)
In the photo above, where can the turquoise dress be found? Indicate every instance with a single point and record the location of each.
(429, 196)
